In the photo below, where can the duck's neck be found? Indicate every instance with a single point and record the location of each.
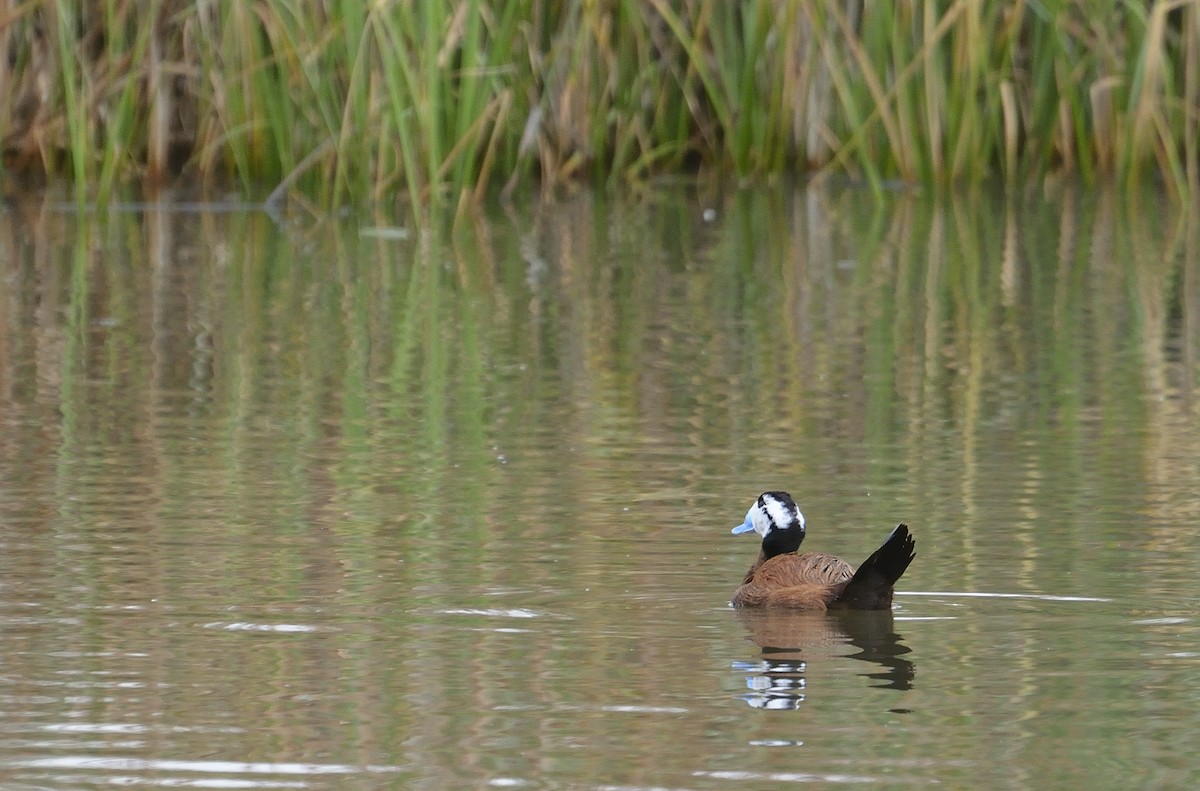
(778, 542)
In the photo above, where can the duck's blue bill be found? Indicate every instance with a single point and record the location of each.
(744, 527)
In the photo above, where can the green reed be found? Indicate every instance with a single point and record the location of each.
(344, 101)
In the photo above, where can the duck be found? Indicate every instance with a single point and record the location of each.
(782, 577)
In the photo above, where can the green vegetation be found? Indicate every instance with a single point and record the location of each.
(346, 101)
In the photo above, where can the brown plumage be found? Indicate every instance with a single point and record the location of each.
(781, 577)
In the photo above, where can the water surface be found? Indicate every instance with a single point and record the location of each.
(327, 503)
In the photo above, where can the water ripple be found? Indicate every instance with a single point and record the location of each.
(788, 777)
(210, 767)
(985, 595)
(243, 626)
(493, 613)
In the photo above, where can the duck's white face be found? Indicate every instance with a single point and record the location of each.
(772, 511)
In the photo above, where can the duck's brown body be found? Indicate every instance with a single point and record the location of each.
(811, 581)
(820, 581)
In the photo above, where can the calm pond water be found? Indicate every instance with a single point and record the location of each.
(324, 503)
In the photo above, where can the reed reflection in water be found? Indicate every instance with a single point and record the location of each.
(453, 505)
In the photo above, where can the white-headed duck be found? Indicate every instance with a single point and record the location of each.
(781, 577)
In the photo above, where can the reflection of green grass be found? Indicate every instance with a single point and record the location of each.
(476, 379)
(218, 421)
(348, 101)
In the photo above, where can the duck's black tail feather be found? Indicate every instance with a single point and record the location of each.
(871, 586)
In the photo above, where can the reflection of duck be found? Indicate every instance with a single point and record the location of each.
(774, 683)
(815, 580)
(790, 639)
